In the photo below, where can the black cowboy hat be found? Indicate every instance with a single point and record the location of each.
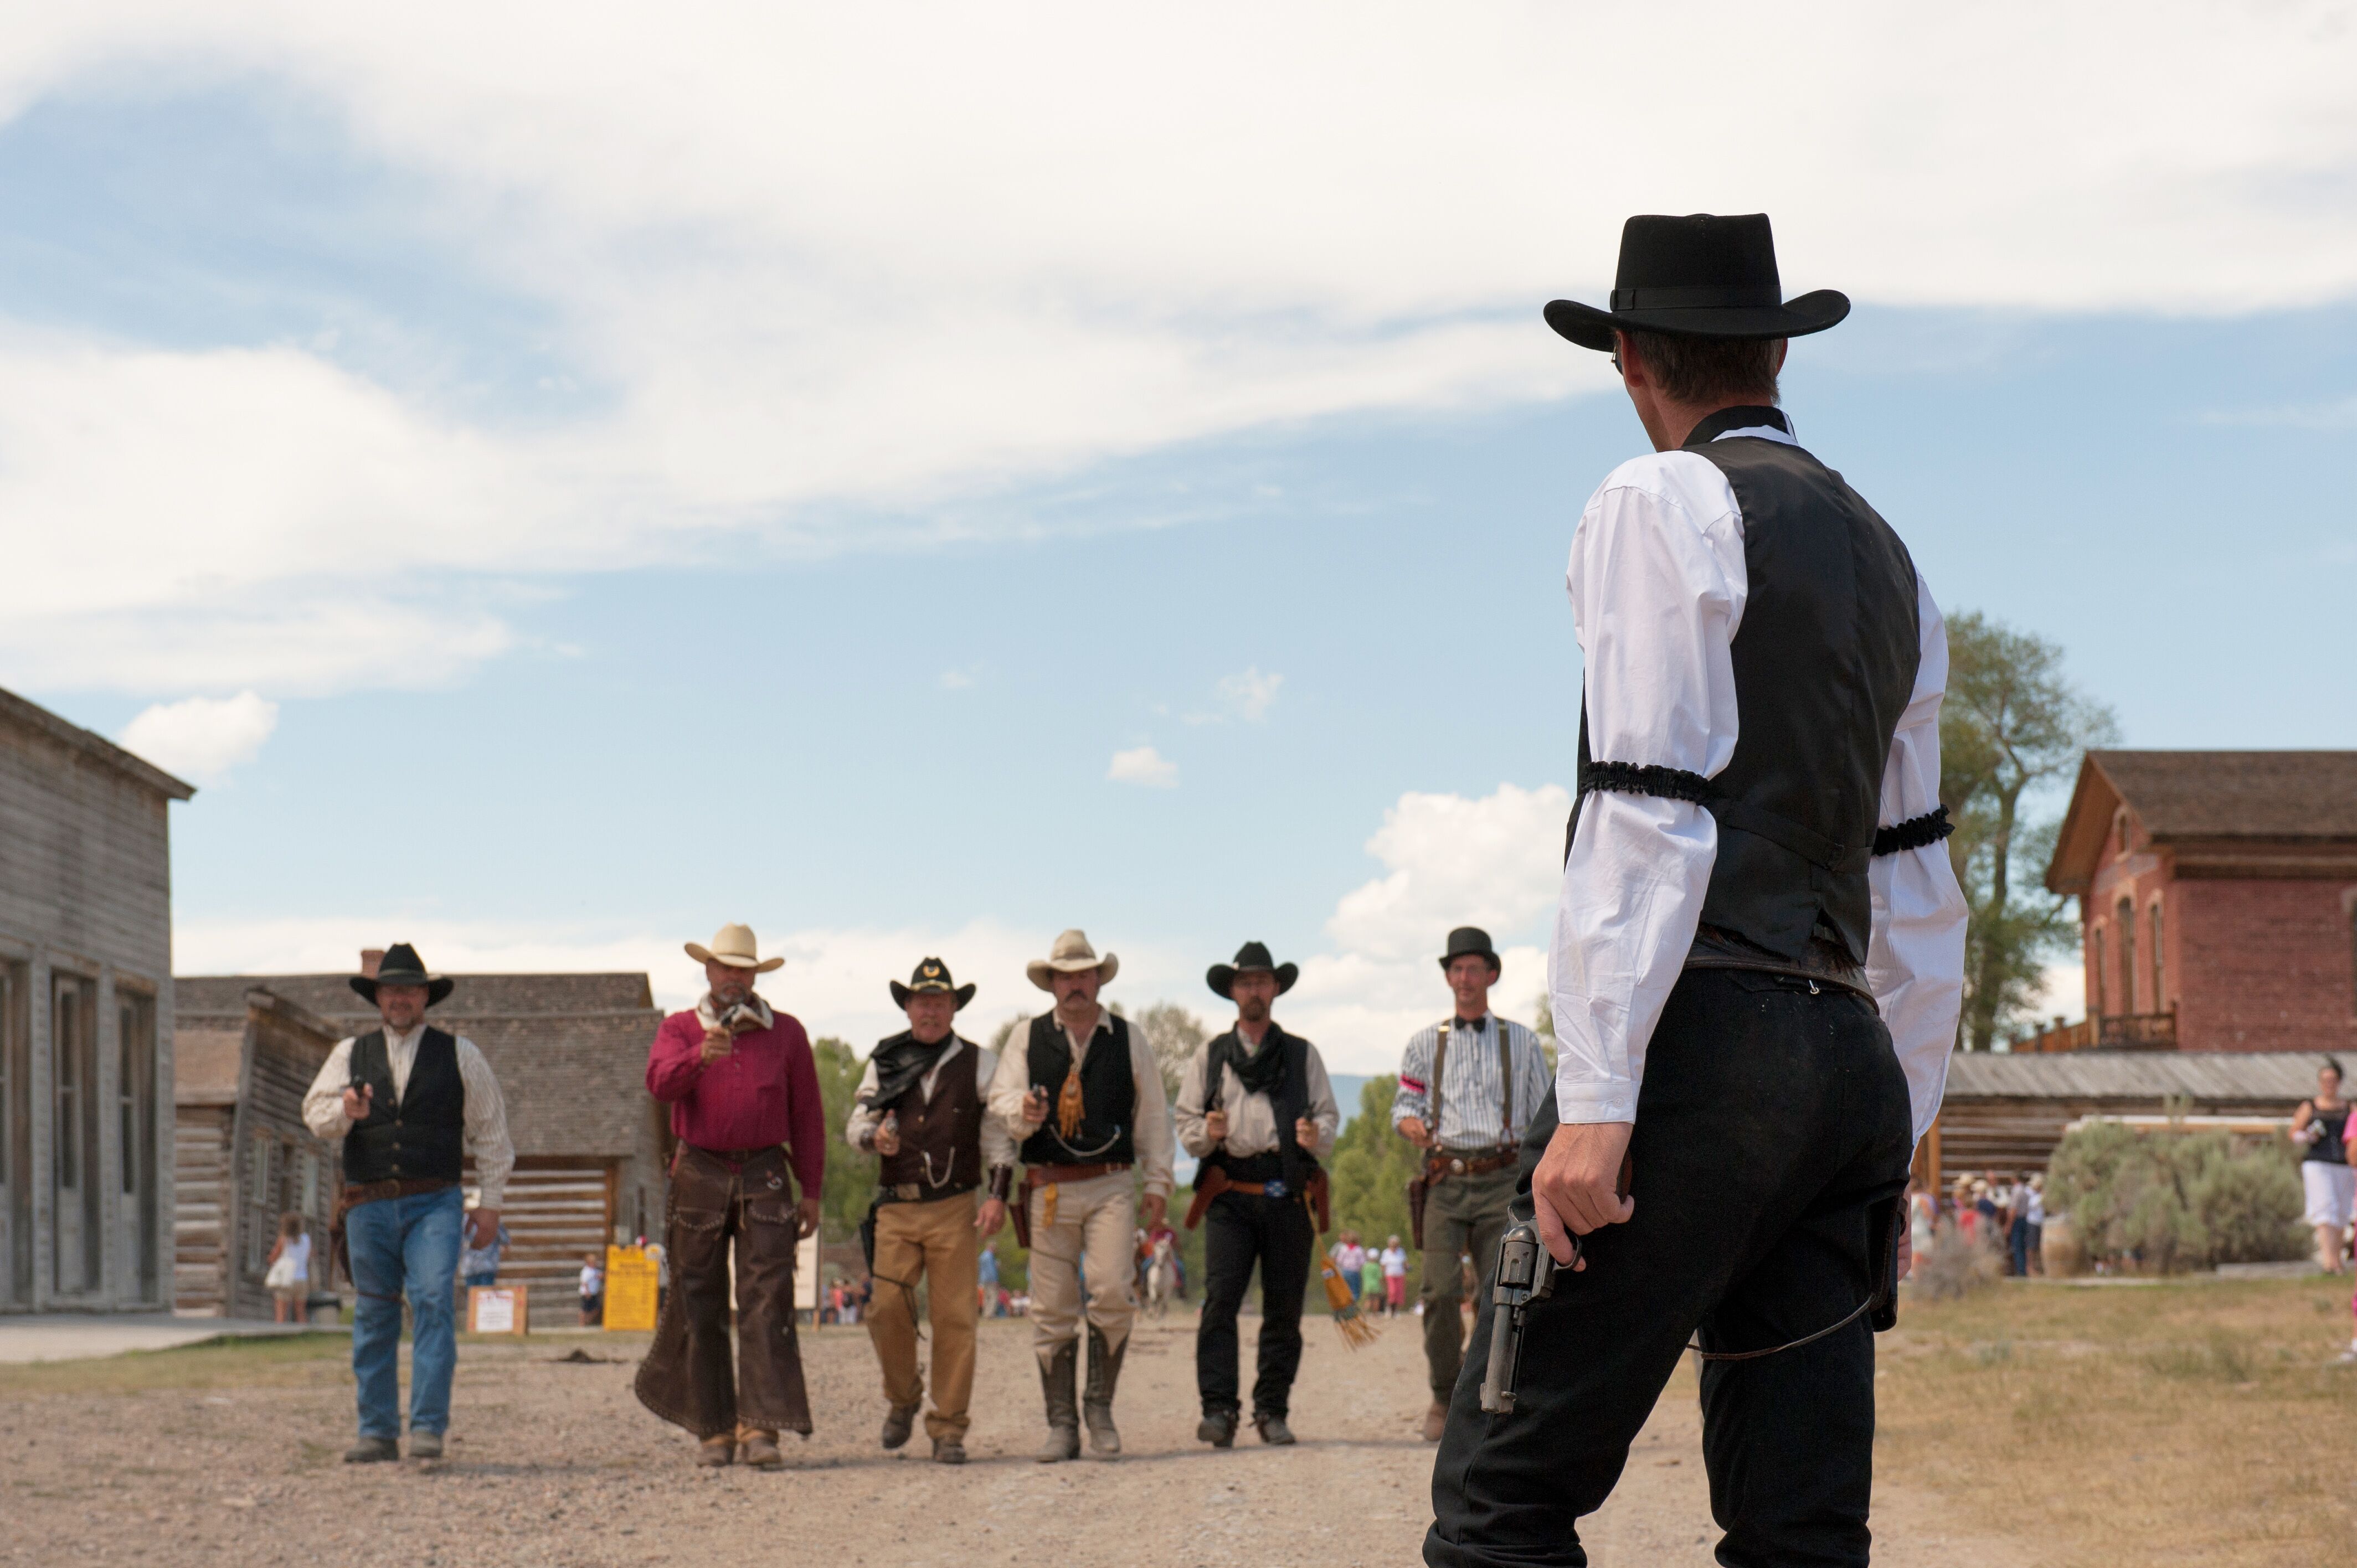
(1474, 940)
(402, 966)
(932, 975)
(1250, 957)
(1698, 276)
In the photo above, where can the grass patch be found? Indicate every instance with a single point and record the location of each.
(2196, 1421)
(260, 1361)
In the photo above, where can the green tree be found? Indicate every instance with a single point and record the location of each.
(2012, 725)
(1175, 1036)
(1371, 1170)
(850, 1183)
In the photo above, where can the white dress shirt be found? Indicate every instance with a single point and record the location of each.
(487, 1111)
(1150, 1137)
(997, 1148)
(1657, 582)
(1473, 1100)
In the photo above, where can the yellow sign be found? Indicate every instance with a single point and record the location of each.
(498, 1309)
(630, 1288)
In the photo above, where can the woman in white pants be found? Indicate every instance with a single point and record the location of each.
(2324, 1170)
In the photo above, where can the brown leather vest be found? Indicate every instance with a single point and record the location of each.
(940, 1138)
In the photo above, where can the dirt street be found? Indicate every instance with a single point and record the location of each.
(554, 1463)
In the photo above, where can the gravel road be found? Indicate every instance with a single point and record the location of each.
(553, 1463)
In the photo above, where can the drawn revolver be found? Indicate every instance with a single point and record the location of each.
(1526, 1271)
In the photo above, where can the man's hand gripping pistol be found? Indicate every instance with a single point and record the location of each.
(1526, 1271)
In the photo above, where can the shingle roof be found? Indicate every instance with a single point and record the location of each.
(569, 1050)
(2300, 803)
(2271, 1077)
(205, 1065)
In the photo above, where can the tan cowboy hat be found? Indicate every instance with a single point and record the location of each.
(734, 946)
(1072, 954)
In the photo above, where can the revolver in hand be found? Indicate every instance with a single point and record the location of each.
(1526, 1272)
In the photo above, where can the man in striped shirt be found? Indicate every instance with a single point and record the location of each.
(1467, 1089)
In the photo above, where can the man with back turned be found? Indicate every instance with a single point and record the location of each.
(1757, 955)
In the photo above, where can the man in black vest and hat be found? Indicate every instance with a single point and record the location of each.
(1079, 1091)
(1758, 957)
(1255, 1108)
(922, 1106)
(408, 1101)
(1468, 1087)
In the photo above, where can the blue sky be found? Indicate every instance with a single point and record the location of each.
(548, 532)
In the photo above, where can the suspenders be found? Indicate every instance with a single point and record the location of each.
(1505, 1076)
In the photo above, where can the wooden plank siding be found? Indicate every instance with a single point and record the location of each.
(200, 1167)
(556, 1211)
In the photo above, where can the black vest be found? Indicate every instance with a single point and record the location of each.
(423, 1133)
(1289, 1100)
(1108, 1096)
(940, 1138)
(1825, 665)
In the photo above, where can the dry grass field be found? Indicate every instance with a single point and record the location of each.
(2198, 1421)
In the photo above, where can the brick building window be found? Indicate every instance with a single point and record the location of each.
(2126, 922)
(2159, 969)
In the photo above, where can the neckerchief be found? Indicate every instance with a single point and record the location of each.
(901, 1061)
(1261, 1071)
(743, 1018)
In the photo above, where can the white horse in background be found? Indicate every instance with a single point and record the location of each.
(1161, 1277)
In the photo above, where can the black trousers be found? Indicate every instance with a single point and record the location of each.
(1771, 1123)
(1240, 1229)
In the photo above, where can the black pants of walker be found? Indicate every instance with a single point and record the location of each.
(1239, 1229)
(1769, 1125)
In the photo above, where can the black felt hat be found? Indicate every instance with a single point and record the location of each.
(1698, 276)
(932, 975)
(1473, 940)
(1250, 957)
(402, 966)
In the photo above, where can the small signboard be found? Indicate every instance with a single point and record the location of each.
(629, 1289)
(498, 1309)
(806, 1274)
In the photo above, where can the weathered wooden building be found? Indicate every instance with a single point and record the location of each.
(2217, 899)
(85, 1018)
(570, 1051)
(2005, 1111)
(242, 1154)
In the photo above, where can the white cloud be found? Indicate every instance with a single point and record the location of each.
(802, 258)
(1144, 764)
(957, 679)
(202, 737)
(1252, 694)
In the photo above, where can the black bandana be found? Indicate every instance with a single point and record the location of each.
(900, 1062)
(1263, 1071)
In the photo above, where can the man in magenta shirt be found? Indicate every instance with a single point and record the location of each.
(743, 1093)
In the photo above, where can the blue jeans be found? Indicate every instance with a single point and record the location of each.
(404, 1246)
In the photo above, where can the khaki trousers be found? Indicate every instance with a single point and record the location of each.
(1096, 1223)
(935, 1242)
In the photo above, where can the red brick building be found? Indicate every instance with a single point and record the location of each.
(2218, 899)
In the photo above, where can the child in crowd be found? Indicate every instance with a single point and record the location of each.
(289, 1279)
(593, 1289)
(1395, 1260)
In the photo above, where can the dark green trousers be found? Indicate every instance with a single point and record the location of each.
(1461, 1215)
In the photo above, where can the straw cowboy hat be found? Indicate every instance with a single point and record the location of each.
(1252, 957)
(932, 975)
(1072, 954)
(734, 946)
(402, 966)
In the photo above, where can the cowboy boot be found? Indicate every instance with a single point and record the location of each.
(1058, 1375)
(1096, 1406)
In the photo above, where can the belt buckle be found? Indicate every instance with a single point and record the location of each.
(905, 1191)
(1273, 1189)
(777, 1180)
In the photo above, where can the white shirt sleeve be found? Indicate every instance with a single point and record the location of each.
(1915, 959)
(323, 1102)
(1657, 585)
(863, 1121)
(997, 1147)
(486, 1124)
